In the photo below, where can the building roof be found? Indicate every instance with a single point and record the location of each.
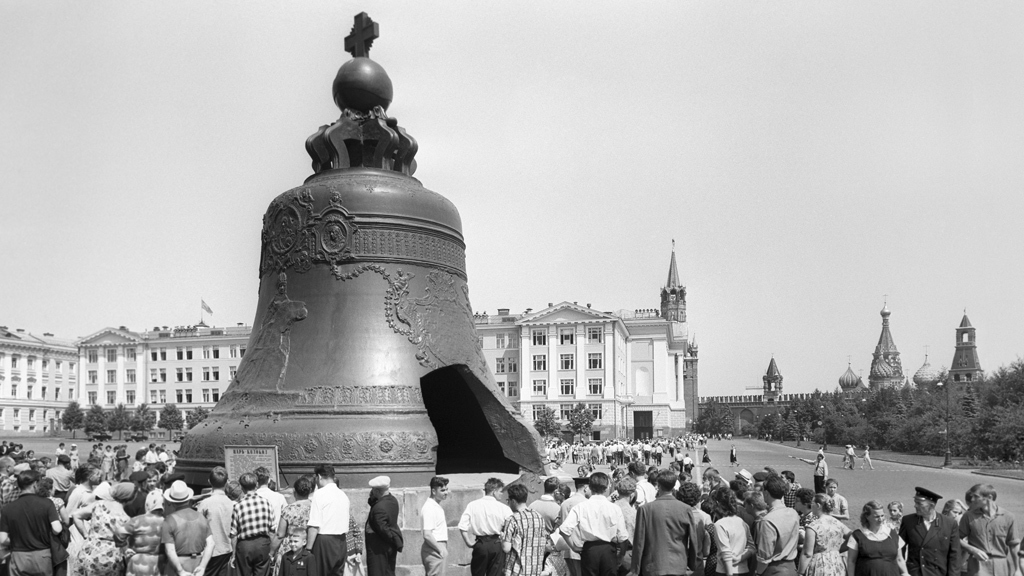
(849, 379)
(673, 270)
(22, 338)
(773, 369)
(966, 322)
(926, 375)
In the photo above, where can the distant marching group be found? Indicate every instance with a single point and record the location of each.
(639, 520)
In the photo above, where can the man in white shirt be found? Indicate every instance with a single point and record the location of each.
(328, 524)
(276, 499)
(645, 491)
(572, 557)
(435, 529)
(481, 526)
(151, 457)
(600, 526)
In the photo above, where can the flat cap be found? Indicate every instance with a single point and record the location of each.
(926, 494)
(760, 476)
(140, 476)
(380, 482)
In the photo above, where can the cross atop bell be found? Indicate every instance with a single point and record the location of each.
(363, 352)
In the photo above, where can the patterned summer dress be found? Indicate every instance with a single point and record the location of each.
(100, 555)
(142, 534)
(295, 515)
(829, 535)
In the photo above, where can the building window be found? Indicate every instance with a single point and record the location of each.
(43, 393)
(501, 386)
(152, 354)
(163, 375)
(92, 376)
(595, 361)
(152, 396)
(163, 353)
(567, 387)
(14, 390)
(540, 362)
(129, 397)
(28, 392)
(17, 414)
(188, 396)
(206, 352)
(180, 375)
(566, 361)
(241, 351)
(180, 395)
(540, 337)
(111, 397)
(513, 388)
(111, 376)
(595, 410)
(216, 351)
(233, 351)
(540, 387)
(181, 353)
(111, 354)
(188, 353)
(57, 365)
(93, 356)
(564, 410)
(513, 365)
(216, 373)
(152, 374)
(206, 374)
(92, 398)
(595, 386)
(566, 336)
(31, 415)
(188, 374)
(163, 396)
(129, 375)
(56, 393)
(129, 354)
(46, 363)
(499, 365)
(206, 394)
(500, 340)
(594, 335)
(216, 394)
(538, 411)
(232, 370)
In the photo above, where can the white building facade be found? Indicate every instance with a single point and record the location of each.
(38, 377)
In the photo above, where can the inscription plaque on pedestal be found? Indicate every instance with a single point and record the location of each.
(241, 459)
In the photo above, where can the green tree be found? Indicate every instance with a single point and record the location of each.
(546, 423)
(119, 420)
(170, 418)
(95, 420)
(969, 404)
(73, 418)
(793, 428)
(714, 418)
(143, 419)
(195, 417)
(581, 421)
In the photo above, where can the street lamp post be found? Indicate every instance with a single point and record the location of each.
(626, 402)
(949, 458)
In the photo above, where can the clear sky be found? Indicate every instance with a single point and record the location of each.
(807, 157)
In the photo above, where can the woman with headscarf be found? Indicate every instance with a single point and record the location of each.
(142, 535)
(292, 529)
(100, 554)
(87, 479)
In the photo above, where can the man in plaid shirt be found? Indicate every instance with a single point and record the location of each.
(251, 528)
(9, 491)
(524, 536)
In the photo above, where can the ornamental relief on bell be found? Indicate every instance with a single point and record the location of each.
(348, 447)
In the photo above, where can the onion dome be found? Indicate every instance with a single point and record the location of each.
(881, 369)
(849, 379)
(885, 310)
(926, 375)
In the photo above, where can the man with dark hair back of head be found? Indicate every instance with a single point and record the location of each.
(276, 499)
(669, 533)
(216, 508)
(802, 501)
(778, 533)
(481, 525)
(327, 527)
(993, 538)
(546, 505)
(600, 525)
(523, 537)
(251, 527)
(27, 527)
(435, 529)
(572, 556)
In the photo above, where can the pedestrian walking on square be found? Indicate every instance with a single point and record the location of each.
(993, 537)
(327, 526)
(28, 527)
(251, 527)
(823, 538)
(778, 533)
(383, 535)
(733, 460)
(707, 458)
(481, 525)
(874, 548)
(866, 458)
(599, 526)
(524, 536)
(933, 545)
(434, 553)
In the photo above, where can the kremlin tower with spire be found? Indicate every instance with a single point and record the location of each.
(966, 365)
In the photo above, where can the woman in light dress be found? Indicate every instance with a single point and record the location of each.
(100, 555)
(823, 537)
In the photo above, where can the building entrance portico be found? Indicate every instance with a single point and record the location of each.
(643, 424)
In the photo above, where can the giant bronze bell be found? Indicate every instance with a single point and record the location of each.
(363, 352)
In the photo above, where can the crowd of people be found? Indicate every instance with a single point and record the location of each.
(639, 519)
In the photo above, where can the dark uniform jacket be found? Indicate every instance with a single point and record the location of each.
(931, 552)
(383, 537)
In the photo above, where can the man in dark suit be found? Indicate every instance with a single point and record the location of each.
(383, 535)
(932, 543)
(668, 533)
